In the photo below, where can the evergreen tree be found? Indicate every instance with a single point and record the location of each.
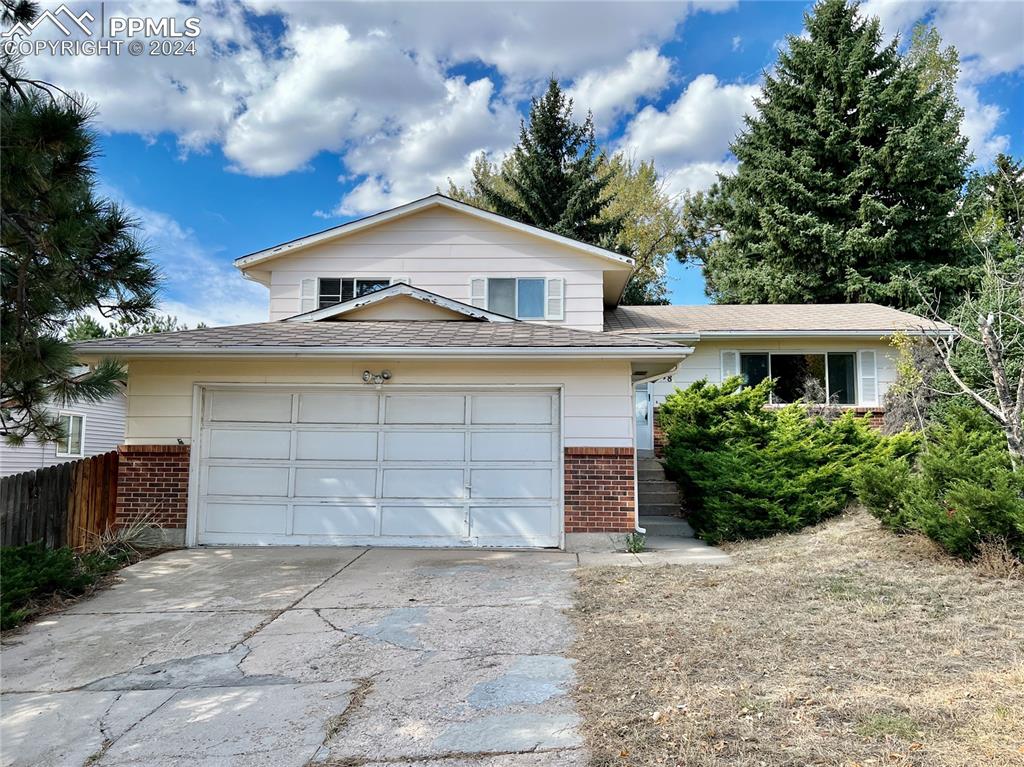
(64, 250)
(847, 176)
(552, 180)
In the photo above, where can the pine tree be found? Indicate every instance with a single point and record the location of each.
(552, 180)
(847, 176)
(64, 250)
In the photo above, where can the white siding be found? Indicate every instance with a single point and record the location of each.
(597, 399)
(104, 431)
(706, 360)
(439, 250)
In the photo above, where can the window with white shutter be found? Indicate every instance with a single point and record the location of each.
(478, 292)
(555, 304)
(868, 368)
(308, 295)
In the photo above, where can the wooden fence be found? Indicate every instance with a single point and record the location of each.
(63, 505)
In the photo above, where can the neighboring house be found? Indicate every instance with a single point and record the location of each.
(91, 427)
(433, 375)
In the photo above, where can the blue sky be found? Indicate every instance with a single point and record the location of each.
(293, 117)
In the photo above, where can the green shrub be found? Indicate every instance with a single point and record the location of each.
(747, 471)
(961, 492)
(32, 573)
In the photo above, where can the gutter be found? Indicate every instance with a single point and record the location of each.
(475, 352)
(740, 334)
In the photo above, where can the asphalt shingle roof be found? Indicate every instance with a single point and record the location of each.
(397, 334)
(761, 317)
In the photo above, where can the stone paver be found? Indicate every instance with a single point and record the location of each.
(303, 656)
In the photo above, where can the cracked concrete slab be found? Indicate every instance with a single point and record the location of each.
(219, 579)
(441, 658)
(64, 652)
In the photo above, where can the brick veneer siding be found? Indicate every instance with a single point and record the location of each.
(660, 440)
(152, 480)
(599, 490)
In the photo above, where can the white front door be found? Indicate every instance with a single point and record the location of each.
(644, 417)
(393, 467)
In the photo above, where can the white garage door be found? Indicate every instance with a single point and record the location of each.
(351, 466)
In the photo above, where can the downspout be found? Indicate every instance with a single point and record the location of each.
(636, 459)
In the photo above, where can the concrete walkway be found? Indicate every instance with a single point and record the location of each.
(668, 541)
(299, 656)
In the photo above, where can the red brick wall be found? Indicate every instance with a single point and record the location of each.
(877, 415)
(152, 480)
(599, 490)
(660, 440)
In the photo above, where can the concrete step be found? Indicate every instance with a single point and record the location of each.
(645, 474)
(658, 499)
(659, 509)
(657, 486)
(665, 526)
(649, 464)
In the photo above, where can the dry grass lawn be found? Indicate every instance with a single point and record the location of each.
(843, 645)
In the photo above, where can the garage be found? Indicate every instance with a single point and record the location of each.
(367, 466)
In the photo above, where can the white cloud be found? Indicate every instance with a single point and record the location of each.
(198, 286)
(613, 91)
(437, 143)
(697, 176)
(979, 126)
(689, 141)
(737, 43)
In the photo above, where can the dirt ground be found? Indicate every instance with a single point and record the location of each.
(843, 645)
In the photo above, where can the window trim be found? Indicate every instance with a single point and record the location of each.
(81, 445)
(482, 301)
(797, 352)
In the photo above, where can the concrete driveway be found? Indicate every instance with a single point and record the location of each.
(298, 656)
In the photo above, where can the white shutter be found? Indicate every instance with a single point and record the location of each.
(478, 292)
(555, 303)
(868, 368)
(730, 364)
(309, 296)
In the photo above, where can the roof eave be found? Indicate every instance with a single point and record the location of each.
(366, 352)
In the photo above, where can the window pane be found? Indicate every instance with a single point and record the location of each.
(753, 368)
(75, 438)
(531, 299)
(842, 375)
(62, 443)
(798, 377)
(368, 286)
(330, 292)
(501, 296)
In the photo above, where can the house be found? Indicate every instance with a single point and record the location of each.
(438, 375)
(92, 428)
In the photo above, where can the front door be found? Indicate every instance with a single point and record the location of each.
(644, 417)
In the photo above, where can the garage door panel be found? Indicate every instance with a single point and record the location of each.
(424, 483)
(511, 446)
(424, 446)
(249, 443)
(335, 482)
(510, 521)
(247, 480)
(258, 407)
(246, 518)
(411, 521)
(426, 408)
(515, 409)
(511, 483)
(336, 446)
(323, 519)
(337, 407)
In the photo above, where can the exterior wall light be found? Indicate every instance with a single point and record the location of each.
(376, 378)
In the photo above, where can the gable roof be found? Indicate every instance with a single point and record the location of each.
(433, 338)
(765, 320)
(392, 291)
(431, 201)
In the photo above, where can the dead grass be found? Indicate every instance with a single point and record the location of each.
(843, 645)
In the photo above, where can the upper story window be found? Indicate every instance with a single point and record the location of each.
(525, 298)
(72, 444)
(327, 291)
